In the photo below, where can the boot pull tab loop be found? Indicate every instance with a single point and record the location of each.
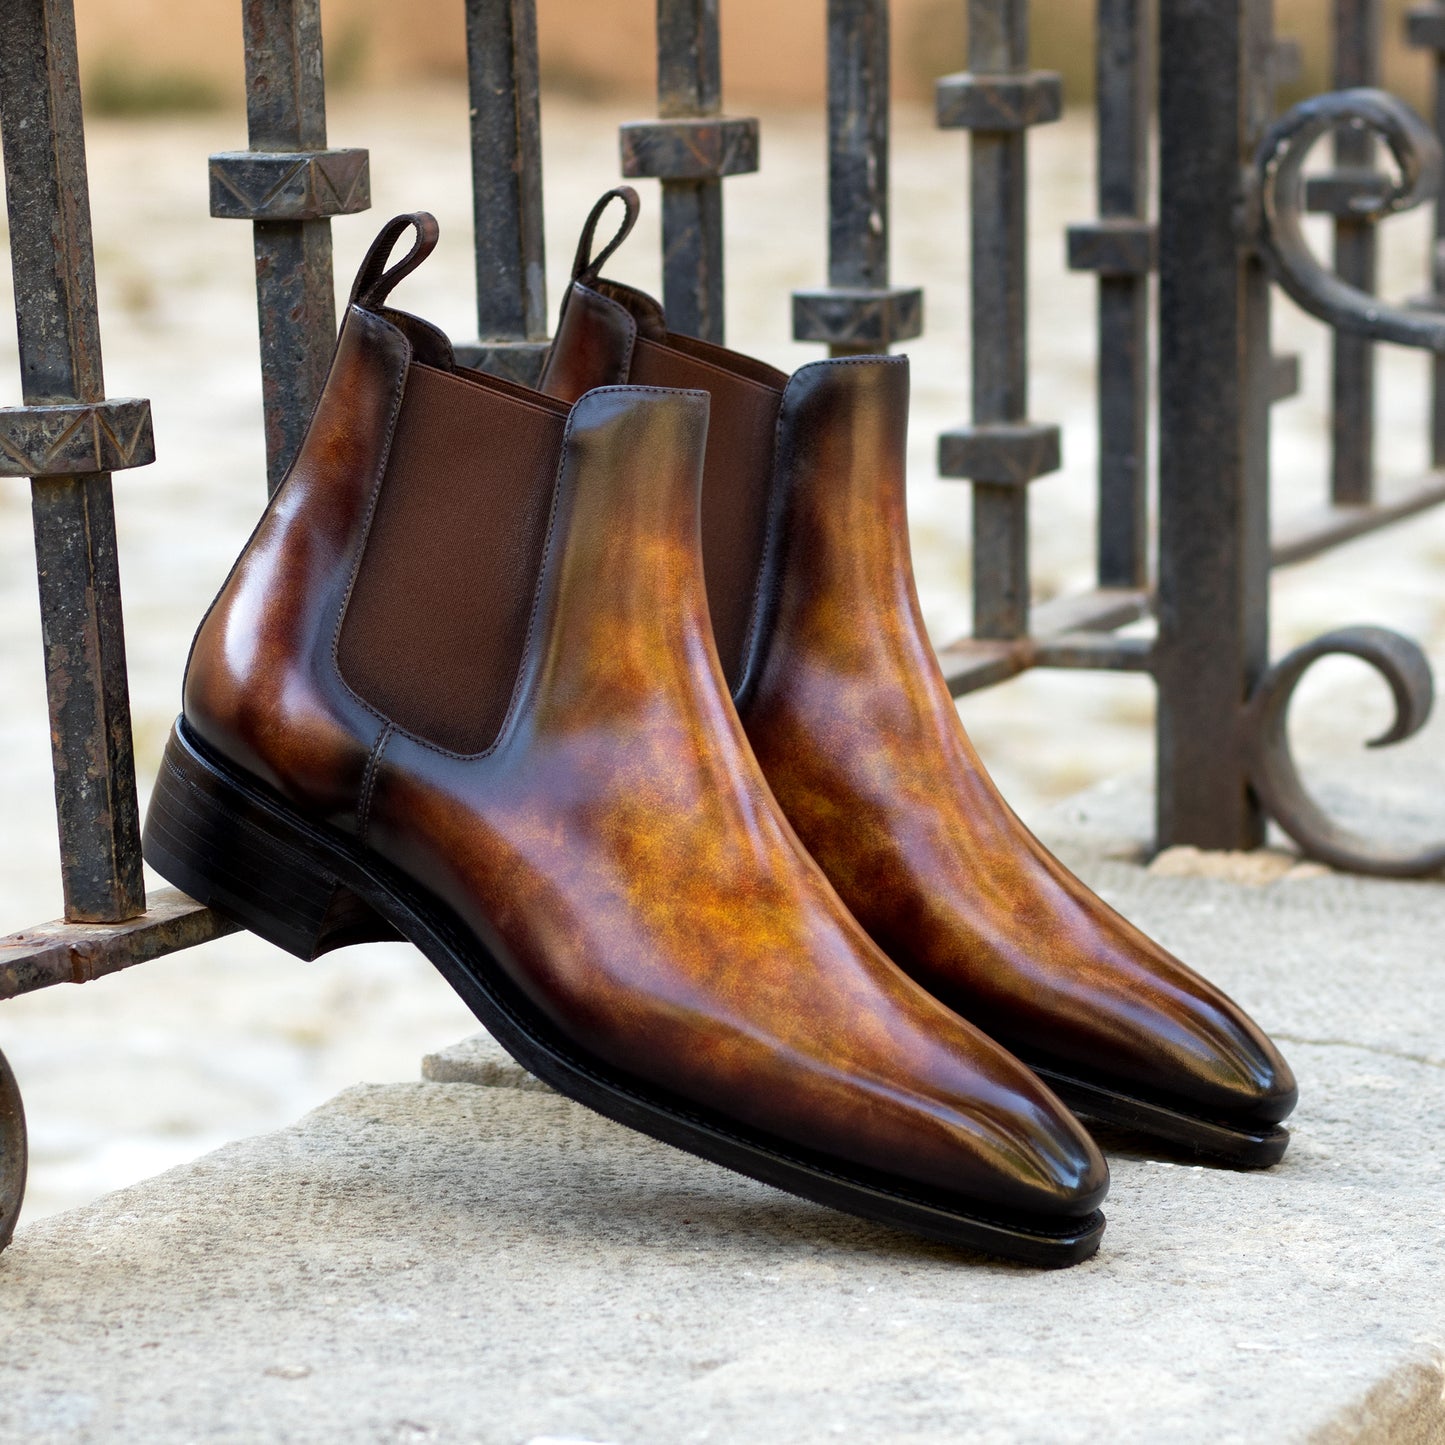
(375, 281)
(586, 267)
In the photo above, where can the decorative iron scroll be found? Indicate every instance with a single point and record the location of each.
(12, 1153)
(1272, 770)
(1279, 174)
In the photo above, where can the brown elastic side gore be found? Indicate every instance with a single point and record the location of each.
(437, 620)
(737, 474)
(733, 361)
(513, 389)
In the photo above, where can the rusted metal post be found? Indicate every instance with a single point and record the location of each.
(996, 101)
(506, 134)
(1121, 248)
(689, 83)
(858, 312)
(1357, 38)
(1425, 29)
(691, 148)
(67, 438)
(288, 184)
(1215, 99)
(13, 1153)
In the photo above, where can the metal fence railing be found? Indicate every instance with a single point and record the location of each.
(1219, 230)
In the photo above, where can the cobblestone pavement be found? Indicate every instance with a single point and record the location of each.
(138, 1072)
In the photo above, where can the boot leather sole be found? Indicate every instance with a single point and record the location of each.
(1206, 1139)
(235, 847)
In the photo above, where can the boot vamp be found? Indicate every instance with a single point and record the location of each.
(649, 900)
(882, 784)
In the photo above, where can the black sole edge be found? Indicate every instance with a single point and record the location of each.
(1202, 1139)
(477, 978)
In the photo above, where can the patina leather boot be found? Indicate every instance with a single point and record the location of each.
(460, 687)
(810, 586)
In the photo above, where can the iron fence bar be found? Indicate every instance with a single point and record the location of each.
(689, 83)
(972, 664)
(64, 952)
(1001, 452)
(1122, 248)
(859, 312)
(13, 1153)
(74, 517)
(1215, 98)
(1357, 34)
(289, 184)
(68, 438)
(506, 143)
(690, 149)
(1284, 376)
(1315, 532)
(1286, 69)
(1425, 30)
(1095, 652)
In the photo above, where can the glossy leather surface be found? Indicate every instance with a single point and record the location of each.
(741, 422)
(597, 351)
(262, 686)
(846, 708)
(853, 723)
(616, 848)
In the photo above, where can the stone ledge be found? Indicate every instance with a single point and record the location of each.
(440, 1261)
(479, 1059)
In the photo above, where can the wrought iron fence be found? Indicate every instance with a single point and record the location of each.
(1221, 227)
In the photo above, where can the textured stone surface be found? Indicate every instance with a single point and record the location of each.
(479, 1059)
(442, 1261)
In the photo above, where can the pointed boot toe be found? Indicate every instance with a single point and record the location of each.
(1223, 1062)
(968, 1117)
(811, 592)
(1054, 1167)
(461, 688)
(1185, 1064)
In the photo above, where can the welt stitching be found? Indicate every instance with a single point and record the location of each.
(368, 782)
(776, 510)
(1048, 1071)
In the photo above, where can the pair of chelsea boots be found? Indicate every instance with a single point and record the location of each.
(614, 698)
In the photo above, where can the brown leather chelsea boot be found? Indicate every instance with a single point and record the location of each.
(810, 586)
(461, 688)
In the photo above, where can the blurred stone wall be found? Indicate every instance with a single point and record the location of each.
(156, 54)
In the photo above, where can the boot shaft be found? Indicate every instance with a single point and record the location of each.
(808, 468)
(609, 333)
(395, 583)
